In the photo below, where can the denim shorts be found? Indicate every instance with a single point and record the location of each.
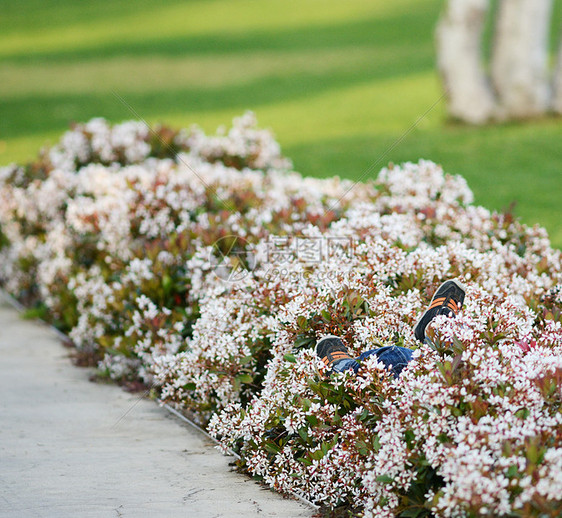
(394, 357)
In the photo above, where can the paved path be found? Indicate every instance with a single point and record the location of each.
(67, 451)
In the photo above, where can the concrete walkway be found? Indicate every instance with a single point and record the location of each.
(67, 451)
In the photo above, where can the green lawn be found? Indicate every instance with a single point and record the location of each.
(339, 82)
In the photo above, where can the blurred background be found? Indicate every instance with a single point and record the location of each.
(340, 83)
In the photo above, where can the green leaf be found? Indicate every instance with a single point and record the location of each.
(245, 378)
(457, 412)
(303, 341)
(317, 455)
(512, 471)
(385, 479)
(246, 359)
(409, 436)
(363, 415)
(289, 358)
(533, 453)
(413, 512)
(166, 283)
(312, 419)
(271, 447)
(40, 311)
(362, 448)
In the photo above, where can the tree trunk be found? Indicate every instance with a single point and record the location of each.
(459, 34)
(557, 85)
(520, 72)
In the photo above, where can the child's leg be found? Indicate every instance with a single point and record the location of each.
(346, 364)
(335, 355)
(333, 352)
(393, 357)
(447, 300)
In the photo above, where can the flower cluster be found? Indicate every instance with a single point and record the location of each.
(204, 267)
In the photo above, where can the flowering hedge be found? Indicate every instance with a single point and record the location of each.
(203, 266)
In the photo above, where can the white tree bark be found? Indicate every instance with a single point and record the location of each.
(520, 71)
(459, 34)
(557, 84)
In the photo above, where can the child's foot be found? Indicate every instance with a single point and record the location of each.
(332, 350)
(448, 300)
